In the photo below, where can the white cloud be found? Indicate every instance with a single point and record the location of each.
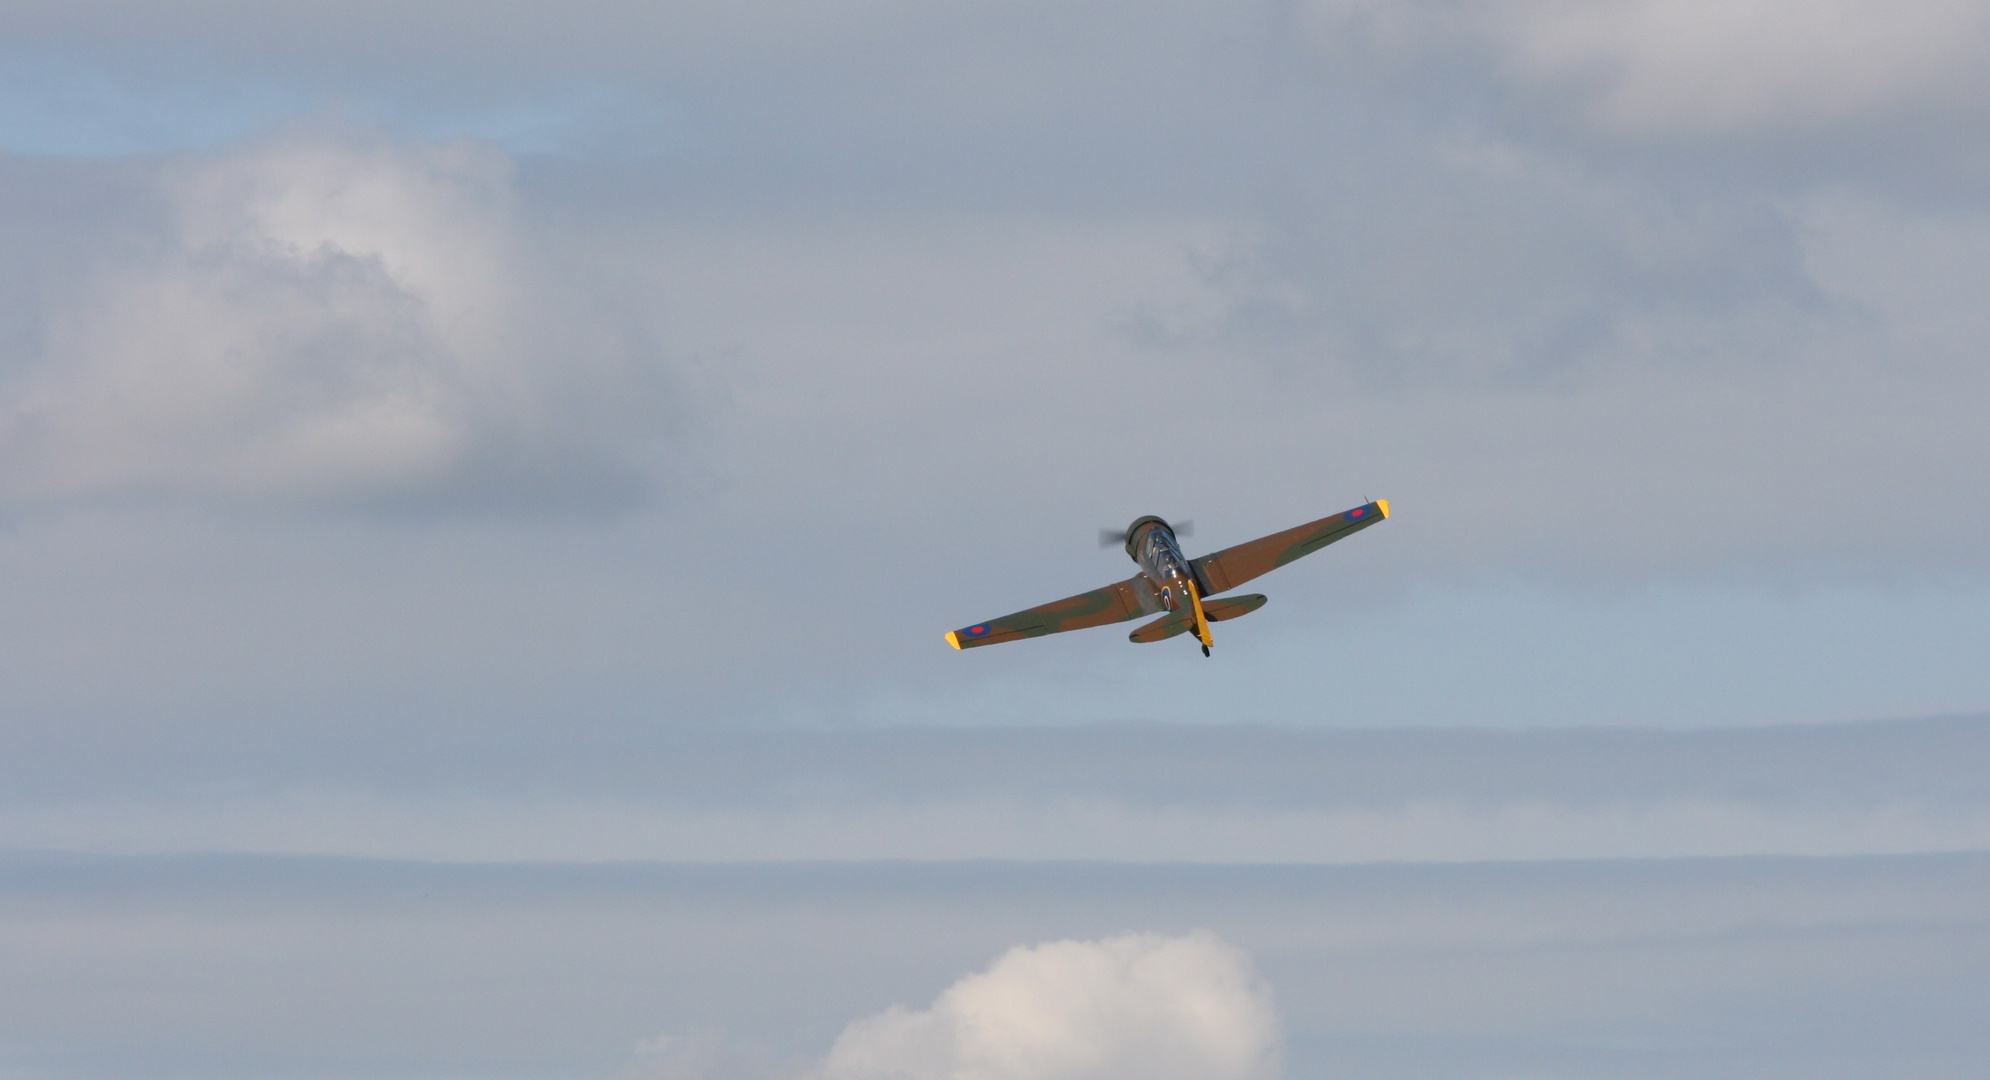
(1724, 65)
(1143, 1006)
(323, 316)
(1705, 66)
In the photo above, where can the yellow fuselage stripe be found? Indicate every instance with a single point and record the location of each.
(1201, 623)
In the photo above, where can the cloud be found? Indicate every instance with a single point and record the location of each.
(1144, 1006)
(1476, 260)
(327, 317)
(1696, 67)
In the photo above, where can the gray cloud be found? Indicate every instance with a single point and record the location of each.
(327, 318)
(1463, 261)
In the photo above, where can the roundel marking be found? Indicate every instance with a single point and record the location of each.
(1357, 512)
(976, 631)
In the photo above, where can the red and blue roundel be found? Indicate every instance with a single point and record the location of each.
(977, 631)
(1356, 512)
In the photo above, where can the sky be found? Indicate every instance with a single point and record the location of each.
(482, 488)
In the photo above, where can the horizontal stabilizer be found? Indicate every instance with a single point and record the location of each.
(1165, 627)
(1229, 607)
(1181, 622)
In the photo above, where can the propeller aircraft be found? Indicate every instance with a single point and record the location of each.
(1179, 589)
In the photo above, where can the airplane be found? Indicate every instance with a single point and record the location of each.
(1182, 590)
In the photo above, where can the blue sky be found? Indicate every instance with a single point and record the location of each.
(425, 429)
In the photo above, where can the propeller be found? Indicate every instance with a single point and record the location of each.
(1117, 537)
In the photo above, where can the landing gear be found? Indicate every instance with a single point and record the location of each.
(1205, 650)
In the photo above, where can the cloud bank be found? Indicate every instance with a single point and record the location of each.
(1127, 793)
(1133, 1007)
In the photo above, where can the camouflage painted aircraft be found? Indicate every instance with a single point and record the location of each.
(1181, 590)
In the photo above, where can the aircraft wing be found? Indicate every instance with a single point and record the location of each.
(1224, 570)
(1118, 602)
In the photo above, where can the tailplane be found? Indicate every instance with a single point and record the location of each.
(1181, 622)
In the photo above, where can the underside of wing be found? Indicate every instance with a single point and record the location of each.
(1181, 622)
(1118, 602)
(1224, 570)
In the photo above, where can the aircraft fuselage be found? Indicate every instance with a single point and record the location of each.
(1151, 543)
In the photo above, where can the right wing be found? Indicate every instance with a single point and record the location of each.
(1118, 602)
(1224, 570)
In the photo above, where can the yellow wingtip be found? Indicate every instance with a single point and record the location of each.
(1382, 505)
(953, 638)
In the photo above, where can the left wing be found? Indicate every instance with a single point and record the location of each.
(1118, 602)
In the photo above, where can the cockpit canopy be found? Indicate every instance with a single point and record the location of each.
(1154, 547)
(1138, 528)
